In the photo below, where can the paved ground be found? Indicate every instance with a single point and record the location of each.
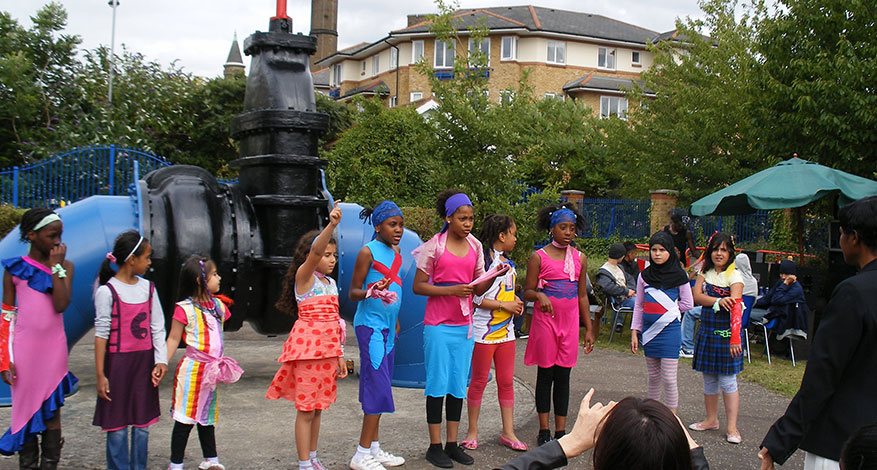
(255, 433)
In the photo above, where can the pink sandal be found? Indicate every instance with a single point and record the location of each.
(700, 427)
(513, 445)
(469, 444)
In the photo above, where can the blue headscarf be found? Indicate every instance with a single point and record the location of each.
(383, 211)
(452, 204)
(562, 215)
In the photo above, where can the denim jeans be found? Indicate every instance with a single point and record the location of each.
(118, 457)
(627, 303)
(689, 323)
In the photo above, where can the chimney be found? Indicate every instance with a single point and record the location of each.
(324, 27)
(414, 19)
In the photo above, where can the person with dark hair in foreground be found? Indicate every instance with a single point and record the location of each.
(837, 392)
(621, 444)
(860, 451)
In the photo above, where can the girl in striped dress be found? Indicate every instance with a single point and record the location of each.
(198, 319)
(662, 292)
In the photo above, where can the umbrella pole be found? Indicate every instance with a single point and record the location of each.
(799, 215)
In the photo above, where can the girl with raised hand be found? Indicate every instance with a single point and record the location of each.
(494, 333)
(447, 267)
(37, 289)
(662, 293)
(198, 318)
(718, 352)
(313, 354)
(561, 300)
(130, 352)
(377, 286)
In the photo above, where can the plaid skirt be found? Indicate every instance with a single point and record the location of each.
(712, 346)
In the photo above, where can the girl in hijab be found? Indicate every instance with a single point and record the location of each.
(662, 293)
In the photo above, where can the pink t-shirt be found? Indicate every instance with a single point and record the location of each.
(450, 269)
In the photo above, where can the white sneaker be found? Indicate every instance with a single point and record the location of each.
(208, 465)
(685, 354)
(387, 459)
(366, 463)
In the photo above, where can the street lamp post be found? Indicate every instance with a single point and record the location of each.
(113, 4)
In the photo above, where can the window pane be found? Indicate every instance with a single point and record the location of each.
(635, 57)
(507, 52)
(604, 107)
(394, 58)
(610, 59)
(418, 51)
(551, 51)
(561, 53)
(376, 65)
(601, 57)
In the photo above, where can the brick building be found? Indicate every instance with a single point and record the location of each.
(570, 55)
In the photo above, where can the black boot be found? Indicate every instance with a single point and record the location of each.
(51, 447)
(29, 455)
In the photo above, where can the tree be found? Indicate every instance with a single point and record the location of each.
(697, 134)
(818, 96)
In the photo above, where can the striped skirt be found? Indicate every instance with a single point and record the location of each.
(193, 402)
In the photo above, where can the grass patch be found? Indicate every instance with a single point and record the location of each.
(778, 377)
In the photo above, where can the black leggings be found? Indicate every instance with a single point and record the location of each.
(453, 409)
(545, 377)
(180, 437)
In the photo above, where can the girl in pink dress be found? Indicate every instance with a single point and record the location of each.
(553, 274)
(33, 345)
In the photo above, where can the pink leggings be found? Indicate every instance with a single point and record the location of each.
(503, 355)
(662, 376)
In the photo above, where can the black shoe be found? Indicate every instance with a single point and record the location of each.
(29, 455)
(559, 434)
(521, 335)
(456, 452)
(544, 436)
(619, 327)
(436, 456)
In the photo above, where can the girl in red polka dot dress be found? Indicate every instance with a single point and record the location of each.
(313, 355)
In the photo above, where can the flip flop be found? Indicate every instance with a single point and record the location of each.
(735, 438)
(701, 427)
(513, 445)
(469, 444)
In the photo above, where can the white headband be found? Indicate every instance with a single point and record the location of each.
(134, 250)
(53, 217)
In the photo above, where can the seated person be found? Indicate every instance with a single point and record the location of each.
(629, 264)
(784, 301)
(614, 284)
(633, 434)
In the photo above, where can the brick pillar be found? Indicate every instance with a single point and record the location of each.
(573, 196)
(663, 201)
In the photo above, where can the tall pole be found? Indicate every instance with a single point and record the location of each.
(113, 4)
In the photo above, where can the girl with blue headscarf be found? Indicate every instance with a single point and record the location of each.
(377, 286)
(553, 283)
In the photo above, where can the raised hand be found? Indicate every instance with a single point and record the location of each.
(57, 255)
(335, 215)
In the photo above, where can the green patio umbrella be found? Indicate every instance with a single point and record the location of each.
(790, 184)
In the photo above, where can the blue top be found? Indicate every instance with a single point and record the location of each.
(372, 312)
(36, 278)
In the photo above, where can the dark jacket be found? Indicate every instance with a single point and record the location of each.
(838, 391)
(551, 455)
(788, 304)
(609, 285)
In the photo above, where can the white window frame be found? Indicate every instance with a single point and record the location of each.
(447, 50)
(604, 54)
(394, 101)
(336, 74)
(394, 58)
(607, 105)
(414, 56)
(483, 41)
(415, 96)
(505, 54)
(506, 96)
(636, 58)
(556, 46)
(376, 64)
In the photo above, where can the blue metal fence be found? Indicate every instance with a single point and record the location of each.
(756, 228)
(624, 218)
(74, 175)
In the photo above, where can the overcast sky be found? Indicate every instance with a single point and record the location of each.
(198, 33)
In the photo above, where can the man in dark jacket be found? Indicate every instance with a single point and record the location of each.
(785, 301)
(629, 264)
(614, 282)
(837, 394)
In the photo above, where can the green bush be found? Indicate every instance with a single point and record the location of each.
(9, 217)
(421, 220)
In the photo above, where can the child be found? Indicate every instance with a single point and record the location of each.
(130, 353)
(309, 373)
(494, 333)
(377, 287)
(198, 319)
(33, 345)
(718, 352)
(662, 293)
(553, 274)
(447, 265)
